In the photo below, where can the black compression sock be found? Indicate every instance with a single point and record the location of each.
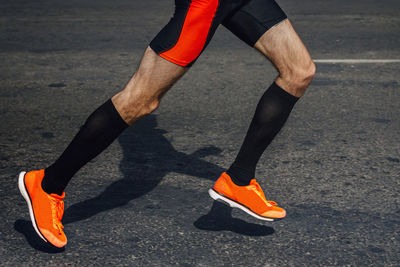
(101, 128)
(271, 114)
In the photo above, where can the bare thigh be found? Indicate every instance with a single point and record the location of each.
(284, 48)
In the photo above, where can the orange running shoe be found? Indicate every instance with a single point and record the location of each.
(46, 210)
(250, 198)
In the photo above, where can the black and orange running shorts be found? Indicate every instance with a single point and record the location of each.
(194, 23)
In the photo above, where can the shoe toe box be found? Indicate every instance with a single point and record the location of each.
(275, 212)
(57, 240)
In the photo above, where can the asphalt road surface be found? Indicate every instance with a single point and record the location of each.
(335, 166)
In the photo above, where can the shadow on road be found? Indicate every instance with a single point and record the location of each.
(147, 157)
(220, 219)
(25, 227)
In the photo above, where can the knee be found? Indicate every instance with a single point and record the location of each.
(138, 109)
(306, 74)
(133, 107)
(298, 77)
(150, 106)
(143, 107)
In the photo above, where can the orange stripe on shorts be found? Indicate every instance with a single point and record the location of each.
(194, 32)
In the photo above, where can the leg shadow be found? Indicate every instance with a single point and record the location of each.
(147, 157)
(25, 227)
(220, 219)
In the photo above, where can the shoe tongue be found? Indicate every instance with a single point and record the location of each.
(253, 181)
(58, 196)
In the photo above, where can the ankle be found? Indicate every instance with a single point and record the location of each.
(237, 181)
(239, 175)
(50, 187)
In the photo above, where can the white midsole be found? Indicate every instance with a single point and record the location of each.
(21, 186)
(233, 204)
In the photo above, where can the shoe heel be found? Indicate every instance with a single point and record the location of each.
(218, 198)
(24, 193)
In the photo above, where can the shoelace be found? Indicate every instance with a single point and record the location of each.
(57, 210)
(259, 191)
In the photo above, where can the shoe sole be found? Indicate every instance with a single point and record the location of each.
(24, 193)
(233, 204)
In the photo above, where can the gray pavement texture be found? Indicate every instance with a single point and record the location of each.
(335, 166)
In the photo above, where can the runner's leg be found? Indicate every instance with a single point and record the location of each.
(140, 97)
(281, 44)
(284, 48)
(175, 48)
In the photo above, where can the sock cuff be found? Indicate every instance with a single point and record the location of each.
(115, 116)
(239, 175)
(283, 93)
(50, 186)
